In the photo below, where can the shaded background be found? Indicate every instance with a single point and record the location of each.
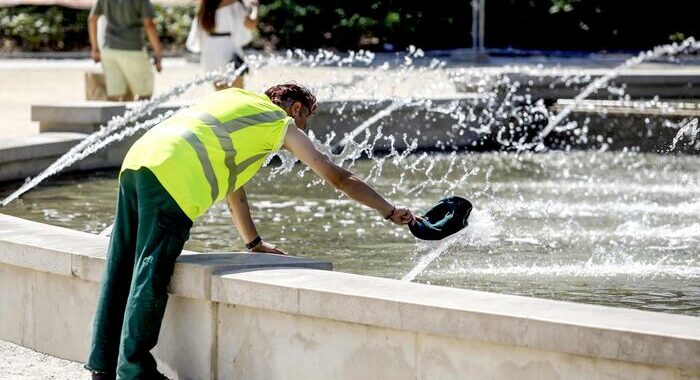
(546, 25)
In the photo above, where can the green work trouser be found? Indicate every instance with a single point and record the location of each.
(149, 232)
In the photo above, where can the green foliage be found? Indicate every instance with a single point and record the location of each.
(369, 24)
(588, 25)
(33, 28)
(677, 37)
(562, 6)
(173, 23)
(394, 24)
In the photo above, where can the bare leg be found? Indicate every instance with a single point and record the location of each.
(118, 98)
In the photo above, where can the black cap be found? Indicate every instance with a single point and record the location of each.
(447, 217)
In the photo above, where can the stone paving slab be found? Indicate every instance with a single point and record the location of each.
(20, 363)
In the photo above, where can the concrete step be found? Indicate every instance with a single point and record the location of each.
(550, 85)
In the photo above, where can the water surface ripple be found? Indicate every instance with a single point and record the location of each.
(611, 228)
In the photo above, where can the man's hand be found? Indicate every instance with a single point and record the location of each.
(92, 34)
(402, 215)
(95, 55)
(268, 248)
(157, 62)
(152, 34)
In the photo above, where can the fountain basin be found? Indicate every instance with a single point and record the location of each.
(610, 228)
(293, 322)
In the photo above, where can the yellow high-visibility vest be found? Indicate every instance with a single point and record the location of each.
(211, 149)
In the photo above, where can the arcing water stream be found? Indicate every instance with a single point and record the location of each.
(113, 130)
(84, 148)
(544, 224)
(688, 45)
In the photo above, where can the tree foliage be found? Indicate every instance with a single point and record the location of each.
(32, 28)
(589, 25)
(373, 24)
(386, 25)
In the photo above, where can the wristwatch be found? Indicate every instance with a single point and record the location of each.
(254, 243)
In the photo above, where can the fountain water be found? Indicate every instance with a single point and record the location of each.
(665, 50)
(566, 217)
(496, 117)
(689, 132)
(481, 231)
(94, 142)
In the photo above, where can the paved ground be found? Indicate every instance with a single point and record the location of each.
(24, 82)
(19, 363)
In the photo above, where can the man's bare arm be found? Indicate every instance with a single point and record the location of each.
(152, 34)
(299, 144)
(92, 33)
(240, 213)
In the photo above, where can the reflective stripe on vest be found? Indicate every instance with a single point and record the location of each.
(222, 131)
(212, 148)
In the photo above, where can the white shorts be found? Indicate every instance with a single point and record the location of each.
(217, 52)
(127, 68)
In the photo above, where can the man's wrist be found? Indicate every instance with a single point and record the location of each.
(253, 243)
(390, 214)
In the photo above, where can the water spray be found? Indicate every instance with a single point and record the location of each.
(657, 52)
(93, 142)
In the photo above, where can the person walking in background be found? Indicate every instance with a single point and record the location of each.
(219, 32)
(124, 59)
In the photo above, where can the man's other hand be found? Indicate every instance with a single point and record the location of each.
(157, 63)
(268, 248)
(95, 55)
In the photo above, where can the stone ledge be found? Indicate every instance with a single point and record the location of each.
(646, 126)
(41, 259)
(638, 83)
(623, 335)
(68, 252)
(88, 116)
(546, 83)
(38, 146)
(593, 331)
(27, 156)
(77, 112)
(195, 270)
(629, 107)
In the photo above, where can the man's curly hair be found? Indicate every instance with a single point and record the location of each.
(284, 95)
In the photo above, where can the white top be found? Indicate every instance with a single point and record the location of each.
(228, 19)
